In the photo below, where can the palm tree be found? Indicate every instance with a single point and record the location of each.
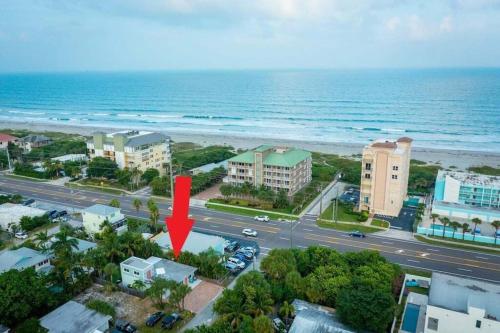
(42, 238)
(476, 221)
(136, 176)
(434, 216)
(114, 203)
(455, 225)
(287, 311)
(139, 285)
(465, 228)
(445, 221)
(64, 245)
(154, 215)
(110, 269)
(496, 224)
(137, 203)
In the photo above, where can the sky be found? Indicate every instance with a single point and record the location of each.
(86, 35)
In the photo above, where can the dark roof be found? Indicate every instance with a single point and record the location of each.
(146, 139)
(405, 139)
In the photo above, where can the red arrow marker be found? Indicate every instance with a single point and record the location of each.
(179, 225)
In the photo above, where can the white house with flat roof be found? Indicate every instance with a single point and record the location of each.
(10, 214)
(95, 215)
(75, 317)
(23, 258)
(146, 270)
(196, 242)
(312, 318)
(458, 304)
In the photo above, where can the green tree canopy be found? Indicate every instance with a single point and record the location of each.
(101, 167)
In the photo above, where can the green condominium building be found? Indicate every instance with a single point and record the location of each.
(279, 168)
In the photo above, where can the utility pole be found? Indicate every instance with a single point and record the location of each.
(291, 234)
(321, 201)
(8, 158)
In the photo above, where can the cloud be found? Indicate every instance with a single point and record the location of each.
(446, 24)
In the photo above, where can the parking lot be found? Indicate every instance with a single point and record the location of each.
(350, 195)
(404, 221)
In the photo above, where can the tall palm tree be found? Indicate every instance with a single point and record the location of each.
(64, 245)
(465, 228)
(434, 216)
(496, 224)
(136, 176)
(137, 203)
(476, 221)
(42, 238)
(445, 221)
(154, 215)
(455, 225)
(114, 203)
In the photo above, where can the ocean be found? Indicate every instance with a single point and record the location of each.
(438, 108)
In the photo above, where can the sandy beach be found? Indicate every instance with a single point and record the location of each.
(461, 159)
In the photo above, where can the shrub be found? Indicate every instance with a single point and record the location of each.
(102, 307)
(363, 216)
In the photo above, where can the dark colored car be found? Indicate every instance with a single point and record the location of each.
(233, 246)
(169, 321)
(358, 234)
(247, 255)
(52, 214)
(125, 326)
(154, 318)
(28, 202)
(62, 213)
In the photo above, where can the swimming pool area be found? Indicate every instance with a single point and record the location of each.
(410, 319)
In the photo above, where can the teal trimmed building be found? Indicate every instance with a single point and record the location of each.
(467, 195)
(278, 168)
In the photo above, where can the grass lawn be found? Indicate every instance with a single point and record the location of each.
(460, 244)
(347, 227)
(344, 213)
(95, 188)
(246, 212)
(28, 178)
(380, 223)
(247, 204)
(419, 290)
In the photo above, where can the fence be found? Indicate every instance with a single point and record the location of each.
(127, 290)
(458, 235)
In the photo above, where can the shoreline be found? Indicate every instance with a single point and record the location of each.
(461, 159)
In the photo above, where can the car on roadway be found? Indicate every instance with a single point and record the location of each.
(28, 202)
(261, 218)
(238, 262)
(21, 235)
(249, 232)
(357, 234)
(169, 321)
(154, 318)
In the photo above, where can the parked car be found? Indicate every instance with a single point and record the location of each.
(52, 214)
(21, 235)
(249, 232)
(125, 326)
(28, 202)
(232, 267)
(357, 233)
(169, 321)
(154, 318)
(261, 218)
(279, 325)
(233, 246)
(247, 255)
(248, 249)
(238, 262)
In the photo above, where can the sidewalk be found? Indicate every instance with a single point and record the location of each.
(472, 246)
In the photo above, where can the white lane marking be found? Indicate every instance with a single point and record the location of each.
(424, 254)
(394, 227)
(400, 251)
(435, 250)
(481, 257)
(411, 260)
(302, 246)
(308, 230)
(285, 238)
(446, 272)
(266, 248)
(465, 270)
(214, 226)
(387, 243)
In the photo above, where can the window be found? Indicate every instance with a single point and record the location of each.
(136, 273)
(395, 168)
(367, 176)
(366, 200)
(394, 176)
(433, 324)
(126, 270)
(478, 323)
(368, 166)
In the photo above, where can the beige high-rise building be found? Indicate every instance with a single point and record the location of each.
(132, 149)
(384, 176)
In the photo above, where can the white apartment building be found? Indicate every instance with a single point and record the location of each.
(95, 215)
(132, 149)
(279, 168)
(384, 176)
(459, 304)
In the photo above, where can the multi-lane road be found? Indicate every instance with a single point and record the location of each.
(277, 234)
